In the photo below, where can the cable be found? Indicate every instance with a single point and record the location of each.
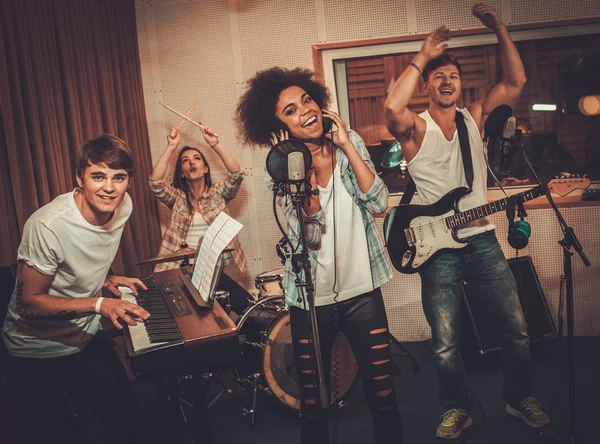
(561, 305)
(563, 282)
(277, 187)
(335, 371)
(478, 426)
(560, 381)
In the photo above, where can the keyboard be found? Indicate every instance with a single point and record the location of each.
(179, 338)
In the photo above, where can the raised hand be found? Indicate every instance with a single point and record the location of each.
(434, 45)
(173, 138)
(340, 136)
(276, 138)
(487, 15)
(210, 136)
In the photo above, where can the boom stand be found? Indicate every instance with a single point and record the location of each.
(568, 242)
(310, 293)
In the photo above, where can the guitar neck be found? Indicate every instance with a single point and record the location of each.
(464, 217)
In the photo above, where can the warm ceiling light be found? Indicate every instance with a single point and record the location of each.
(544, 107)
(589, 105)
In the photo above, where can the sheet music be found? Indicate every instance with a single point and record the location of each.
(218, 235)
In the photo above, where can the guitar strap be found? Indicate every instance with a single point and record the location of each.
(465, 151)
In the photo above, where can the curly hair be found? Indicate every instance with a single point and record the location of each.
(443, 60)
(255, 112)
(180, 182)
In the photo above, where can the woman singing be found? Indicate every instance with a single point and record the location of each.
(347, 262)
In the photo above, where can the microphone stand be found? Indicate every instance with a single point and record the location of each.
(302, 260)
(568, 242)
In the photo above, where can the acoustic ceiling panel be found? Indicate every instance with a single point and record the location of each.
(453, 14)
(276, 33)
(526, 11)
(196, 63)
(365, 20)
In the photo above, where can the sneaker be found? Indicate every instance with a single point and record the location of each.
(530, 412)
(453, 423)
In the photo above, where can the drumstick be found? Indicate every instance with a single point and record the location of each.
(187, 114)
(183, 116)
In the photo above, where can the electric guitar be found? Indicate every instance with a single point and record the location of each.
(415, 234)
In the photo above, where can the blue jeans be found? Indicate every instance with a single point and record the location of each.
(483, 266)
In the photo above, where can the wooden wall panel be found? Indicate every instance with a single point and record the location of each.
(369, 79)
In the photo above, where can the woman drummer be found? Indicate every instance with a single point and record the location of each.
(195, 201)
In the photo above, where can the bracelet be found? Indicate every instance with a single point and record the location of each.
(213, 146)
(98, 304)
(414, 65)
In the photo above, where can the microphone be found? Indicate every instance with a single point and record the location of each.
(296, 172)
(288, 163)
(499, 129)
(507, 142)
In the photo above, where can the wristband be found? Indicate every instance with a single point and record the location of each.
(414, 65)
(98, 304)
(212, 146)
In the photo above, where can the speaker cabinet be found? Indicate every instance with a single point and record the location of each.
(478, 332)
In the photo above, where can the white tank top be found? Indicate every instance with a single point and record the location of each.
(196, 231)
(438, 168)
(343, 243)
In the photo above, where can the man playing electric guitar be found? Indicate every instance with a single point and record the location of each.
(430, 144)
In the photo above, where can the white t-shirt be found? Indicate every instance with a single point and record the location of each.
(438, 168)
(57, 241)
(350, 252)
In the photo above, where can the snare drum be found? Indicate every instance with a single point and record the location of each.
(270, 283)
(268, 351)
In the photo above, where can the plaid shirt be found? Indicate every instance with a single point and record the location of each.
(372, 202)
(211, 203)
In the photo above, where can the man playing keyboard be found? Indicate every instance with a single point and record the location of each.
(55, 310)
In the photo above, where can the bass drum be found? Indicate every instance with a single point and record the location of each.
(268, 351)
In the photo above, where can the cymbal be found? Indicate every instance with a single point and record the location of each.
(181, 254)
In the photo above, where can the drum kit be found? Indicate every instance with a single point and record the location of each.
(265, 334)
(269, 357)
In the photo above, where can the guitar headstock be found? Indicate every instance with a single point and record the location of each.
(565, 184)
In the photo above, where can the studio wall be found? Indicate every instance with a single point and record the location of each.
(206, 50)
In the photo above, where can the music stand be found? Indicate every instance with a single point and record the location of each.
(202, 301)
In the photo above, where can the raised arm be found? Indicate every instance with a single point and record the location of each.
(406, 126)
(160, 169)
(212, 138)
(509, 89)
(34, 302)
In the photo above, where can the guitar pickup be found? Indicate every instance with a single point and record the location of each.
(410, 236)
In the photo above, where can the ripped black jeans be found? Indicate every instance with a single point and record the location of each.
(364, 322)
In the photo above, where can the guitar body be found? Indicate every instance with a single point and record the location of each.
(416, 234)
